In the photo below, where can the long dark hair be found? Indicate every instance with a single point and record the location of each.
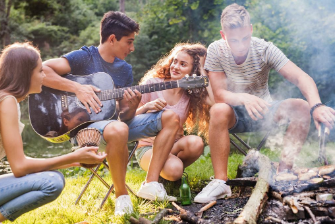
(17, 62)
(198, 115)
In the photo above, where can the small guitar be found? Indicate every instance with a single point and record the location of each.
(57, 115)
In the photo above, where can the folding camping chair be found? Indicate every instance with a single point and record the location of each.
(246, 145)
(109, 187)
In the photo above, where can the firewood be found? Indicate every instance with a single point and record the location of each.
(277, 196)
(247, 181)
(140, 220)
(160, 215)
(258, 198)
(133, 220)
(293, 203)
(310, 213)
(189, 216)
(275, 220)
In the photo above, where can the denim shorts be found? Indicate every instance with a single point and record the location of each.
(141, 126)
(139, 153)
(244, 123)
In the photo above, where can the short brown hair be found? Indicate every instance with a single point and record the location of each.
(117, 23)
(17, 63)
(234, 16)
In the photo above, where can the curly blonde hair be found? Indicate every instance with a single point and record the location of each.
(198, 114)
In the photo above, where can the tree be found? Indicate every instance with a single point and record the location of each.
(122, 7)
(5, 7)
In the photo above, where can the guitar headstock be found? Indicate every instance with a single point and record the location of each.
(191, 82)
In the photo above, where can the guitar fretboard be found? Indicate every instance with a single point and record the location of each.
(148, 88)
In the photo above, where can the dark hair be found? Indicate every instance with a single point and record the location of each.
(17, 62)
(198, 114)
(117, 23)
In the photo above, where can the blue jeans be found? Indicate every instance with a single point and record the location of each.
(141, 126)
(23, 194)
(244, 123)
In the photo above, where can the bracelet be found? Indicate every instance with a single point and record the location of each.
(314, 107)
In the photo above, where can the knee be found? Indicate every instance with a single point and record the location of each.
(195, 145)
(53, 185)
(171, 119)
(221, 113)
(116, 130)
(173, 170)
(301, 110)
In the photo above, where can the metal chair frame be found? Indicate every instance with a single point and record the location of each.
(109, 187)
(260, 145)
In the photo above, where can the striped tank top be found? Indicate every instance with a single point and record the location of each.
(252, 75)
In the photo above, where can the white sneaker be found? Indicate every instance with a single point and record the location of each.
(216, 189)
(154, 191)
(123, 205)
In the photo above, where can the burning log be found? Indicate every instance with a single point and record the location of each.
(256, 161)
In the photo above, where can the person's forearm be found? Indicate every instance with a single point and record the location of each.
(233, 99)
(141, 110)
(34, 165)
(309, 90)
(55, 81)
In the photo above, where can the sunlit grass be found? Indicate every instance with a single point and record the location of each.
(63, 210)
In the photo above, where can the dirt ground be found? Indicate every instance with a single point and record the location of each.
(224, 211)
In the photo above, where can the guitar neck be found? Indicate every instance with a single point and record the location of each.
(148, 88)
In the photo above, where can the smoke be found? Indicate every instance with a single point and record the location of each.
(304, 30)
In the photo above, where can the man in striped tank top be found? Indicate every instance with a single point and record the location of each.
(238, 67)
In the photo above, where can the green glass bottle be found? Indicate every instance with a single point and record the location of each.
(185, 191)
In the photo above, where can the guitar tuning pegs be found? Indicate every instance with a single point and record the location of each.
(194, 75)
(187, 76)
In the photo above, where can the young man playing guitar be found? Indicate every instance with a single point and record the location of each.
(117, 34)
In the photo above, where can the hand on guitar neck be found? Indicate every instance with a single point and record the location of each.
(129, 103)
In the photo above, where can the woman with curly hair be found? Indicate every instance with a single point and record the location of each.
(192, 107)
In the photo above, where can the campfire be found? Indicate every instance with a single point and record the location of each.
(302, 195)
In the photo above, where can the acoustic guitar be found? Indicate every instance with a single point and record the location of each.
(57, 115)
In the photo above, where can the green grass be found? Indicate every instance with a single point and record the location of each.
(63, 209)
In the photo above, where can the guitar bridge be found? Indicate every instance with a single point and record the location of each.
(64, 103)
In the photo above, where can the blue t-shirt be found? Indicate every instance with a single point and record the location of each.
(87, 61)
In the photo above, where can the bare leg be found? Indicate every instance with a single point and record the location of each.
(184, 152)
(188, 149)
(222, 118)
(163, 144)
(297, 111)
(116, 136)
